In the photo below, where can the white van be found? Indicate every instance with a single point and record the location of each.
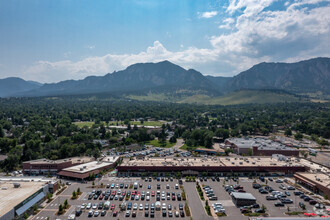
(136, 185)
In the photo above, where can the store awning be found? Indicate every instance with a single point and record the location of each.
(30, 203)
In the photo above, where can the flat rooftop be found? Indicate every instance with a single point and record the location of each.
(247, 196)
(210, 161)
(11, 197)
(319, 178)
(94, 165)
(261, 143)
(73, 159)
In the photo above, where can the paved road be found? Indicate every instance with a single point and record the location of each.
(179, 143)
(196, 205)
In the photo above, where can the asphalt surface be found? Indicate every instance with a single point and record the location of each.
(193, 199)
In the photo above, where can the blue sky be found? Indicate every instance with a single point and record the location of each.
(50, 41)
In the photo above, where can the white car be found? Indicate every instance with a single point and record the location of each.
(83, 206)
(164, 206)
(96, 213)
(89, 205)
(219, 210)
(141, 207)
(94, 206)
(135, 206)
(148, 198)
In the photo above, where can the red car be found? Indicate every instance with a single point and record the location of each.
(312, 202)
(153, 193)
(238, 187)
(241, 191)
(114, 214)
(113, 192)
(113, 206)
(133, 192)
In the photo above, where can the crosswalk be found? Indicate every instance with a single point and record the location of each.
(41, 217)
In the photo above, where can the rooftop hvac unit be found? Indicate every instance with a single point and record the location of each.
(81, 169)
(84, 167)
(17, 185)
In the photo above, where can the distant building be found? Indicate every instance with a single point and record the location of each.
(83, 171)
(221, 166)
(45, 166)
(260, 147)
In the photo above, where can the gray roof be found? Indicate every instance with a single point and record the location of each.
(247, 196)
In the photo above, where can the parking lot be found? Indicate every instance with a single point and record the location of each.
(167, 194)
(167, 188)
(234, 212)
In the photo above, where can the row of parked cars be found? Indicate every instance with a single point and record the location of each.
(210, 193)
(101, 208)
(234, 188)
(167, 210)
(134, 195)
(249, 209)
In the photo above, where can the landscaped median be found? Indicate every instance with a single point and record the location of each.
(75, 195)
(200, 191)
(63, 208)
(184, 198)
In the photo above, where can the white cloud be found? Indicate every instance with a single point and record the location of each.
(91, 47)
(208, 14)
(47, 71)
(252, 34)
(227, 23)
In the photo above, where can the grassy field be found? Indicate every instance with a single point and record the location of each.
(82, 124)
(235, 98)
(146, 123)
(242, 97)
(157, 144)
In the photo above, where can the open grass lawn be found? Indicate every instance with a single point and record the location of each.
(157, 144)
(81, 124)
(147, 123)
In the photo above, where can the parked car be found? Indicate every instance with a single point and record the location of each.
(312, 202)
(259, 211)
(278, 204)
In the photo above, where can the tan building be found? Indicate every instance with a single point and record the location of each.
(317, 182)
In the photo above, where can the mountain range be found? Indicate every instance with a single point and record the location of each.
(309, 76)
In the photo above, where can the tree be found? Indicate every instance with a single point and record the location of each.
(298, 136)
(288, 132)
(2, 133)
(66, 204)
(74, 195)
(250, 152)
(60, 209)
(78, 190)
(228, 150)
(173, 139)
